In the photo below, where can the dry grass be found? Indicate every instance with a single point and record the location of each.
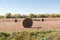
(48, 24)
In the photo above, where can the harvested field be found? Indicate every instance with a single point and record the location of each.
(47, 24)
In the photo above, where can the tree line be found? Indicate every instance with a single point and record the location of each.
(9, 15)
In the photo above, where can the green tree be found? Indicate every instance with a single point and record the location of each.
(16, 16)
(39, 16)
(47, 15)
(24, 16)
(32, 16)
(8, 15)
(53, 15)
(43, 16)
(58, 15)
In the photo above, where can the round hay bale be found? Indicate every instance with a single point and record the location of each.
(42, 19)
(27, 23)
(15, 20)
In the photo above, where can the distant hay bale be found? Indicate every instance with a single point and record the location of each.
(42, 19)
(15, 20)
(36, 19)
(27, 23)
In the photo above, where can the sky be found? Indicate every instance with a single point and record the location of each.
(25, 7)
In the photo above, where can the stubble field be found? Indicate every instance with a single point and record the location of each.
(49, 24)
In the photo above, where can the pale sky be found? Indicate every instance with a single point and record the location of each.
(29, 6)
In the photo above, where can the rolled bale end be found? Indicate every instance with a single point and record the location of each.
(42, 20)
(15, 20)
(27, 23)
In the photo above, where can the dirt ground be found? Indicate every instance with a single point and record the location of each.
(37, 25)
